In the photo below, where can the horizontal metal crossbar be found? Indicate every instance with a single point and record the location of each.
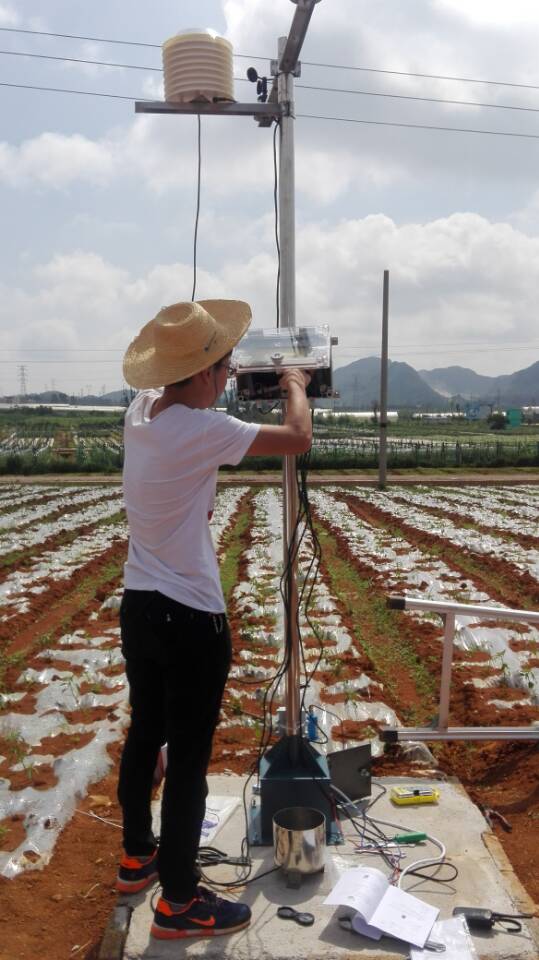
(220, 109)
(395, 734)
(464, 609)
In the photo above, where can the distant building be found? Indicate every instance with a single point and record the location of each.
(62, 407)
(440, 416)
(354, 414)
(478, 411)
(514, 416)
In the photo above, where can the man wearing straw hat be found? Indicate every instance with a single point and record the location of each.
(175, 636)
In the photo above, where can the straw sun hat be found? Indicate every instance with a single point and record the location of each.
(184, 339)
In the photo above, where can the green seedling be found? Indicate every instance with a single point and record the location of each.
(15, 746)
(529, 678)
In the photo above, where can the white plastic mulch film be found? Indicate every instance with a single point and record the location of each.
(29, 517)
(82, 670)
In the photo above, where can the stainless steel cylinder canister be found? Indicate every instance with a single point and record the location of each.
(299, 840)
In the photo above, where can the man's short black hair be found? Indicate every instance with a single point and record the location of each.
(183, 383)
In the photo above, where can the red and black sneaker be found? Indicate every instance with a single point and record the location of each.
(135, 875)
(205, 916)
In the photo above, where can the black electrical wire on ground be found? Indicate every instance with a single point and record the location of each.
(197, 214)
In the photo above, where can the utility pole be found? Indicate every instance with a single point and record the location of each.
(382, 449)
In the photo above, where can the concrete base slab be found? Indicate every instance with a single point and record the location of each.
(485, 879)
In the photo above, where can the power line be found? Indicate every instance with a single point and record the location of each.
(403, 96)
(94, 63)
(518, 345)
(431, 350)
(420, 126)
(449, 343)
(82, 93)
(308, 116)
(423, 76)
(74, 36)
(50, 361)
(394, 350)
(307, 63)
(298, 86)
(66, 349)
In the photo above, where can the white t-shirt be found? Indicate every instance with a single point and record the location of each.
(170, 474)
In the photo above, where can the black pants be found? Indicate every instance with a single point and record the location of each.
(177, 662)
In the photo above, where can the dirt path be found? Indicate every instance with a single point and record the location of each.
(495, 476)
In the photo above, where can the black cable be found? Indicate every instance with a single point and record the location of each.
(432, 876)
(276, 212)
(383, 791)
(319, 706)
(197, 215)
(377, 837)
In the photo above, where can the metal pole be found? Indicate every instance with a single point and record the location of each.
(447, 662)
(287, 305)
(382, 454)
(287, 213)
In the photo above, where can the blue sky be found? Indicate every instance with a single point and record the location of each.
(98, 204)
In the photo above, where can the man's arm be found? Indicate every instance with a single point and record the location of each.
(295, 434)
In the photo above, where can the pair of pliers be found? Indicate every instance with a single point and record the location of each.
(288, 913)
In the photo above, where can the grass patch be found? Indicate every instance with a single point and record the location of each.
(377, 631)
(233, 544)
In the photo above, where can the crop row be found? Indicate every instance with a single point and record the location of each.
(64, 695)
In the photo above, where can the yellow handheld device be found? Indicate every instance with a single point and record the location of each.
(406, 796)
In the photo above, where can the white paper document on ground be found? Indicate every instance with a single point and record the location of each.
(454, 935)
(382, 908)
(218, 810)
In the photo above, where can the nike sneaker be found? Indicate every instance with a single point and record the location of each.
(135, 875)
(206, 915)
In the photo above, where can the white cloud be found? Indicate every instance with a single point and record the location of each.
(8, 16)
(334, 160)
(461, 280)
(91, 51)
(56, 160)
(461, 277)
(497, 12)
(160, 152)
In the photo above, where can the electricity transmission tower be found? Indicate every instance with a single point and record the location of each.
(22, 381)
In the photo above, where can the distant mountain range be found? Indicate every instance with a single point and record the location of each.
(359, 386)
(440, 389)
(116, 398)
(521, 387)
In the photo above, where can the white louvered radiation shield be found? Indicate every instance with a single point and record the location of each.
(197, 65)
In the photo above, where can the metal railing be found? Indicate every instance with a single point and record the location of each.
(448, 611)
